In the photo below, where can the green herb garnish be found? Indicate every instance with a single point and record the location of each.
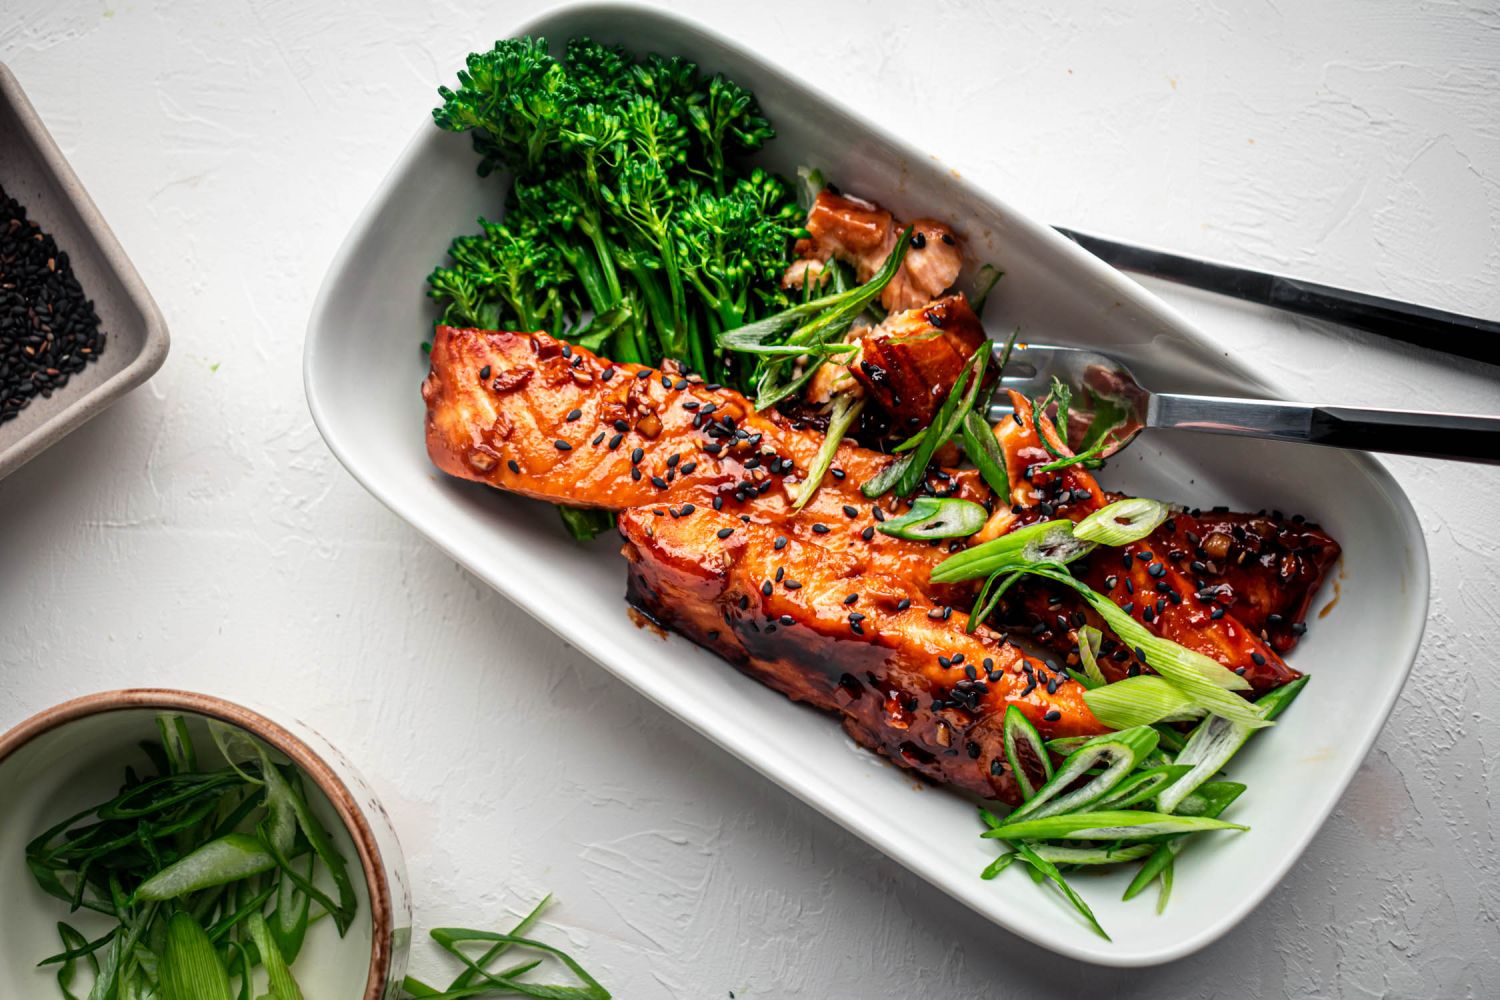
(934, 517)
(208, 872)
(479, 977)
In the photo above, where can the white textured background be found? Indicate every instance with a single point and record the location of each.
(200, 535)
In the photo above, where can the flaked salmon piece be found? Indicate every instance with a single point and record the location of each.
(526, 413)
(863, 234)
(1265, 567)
(1142, 578)
(825, 627)
(909, 363)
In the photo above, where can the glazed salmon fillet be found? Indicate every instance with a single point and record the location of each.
(817, 602)
(709, 524)
(1165, 580)
(501, 410)
(825, 628)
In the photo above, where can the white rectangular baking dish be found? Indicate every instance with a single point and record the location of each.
(363, 369)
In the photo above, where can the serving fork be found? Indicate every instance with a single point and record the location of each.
(1097, 380)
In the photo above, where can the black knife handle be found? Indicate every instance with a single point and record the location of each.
(1424, 326)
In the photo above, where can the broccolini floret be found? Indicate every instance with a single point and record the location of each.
(628, 201)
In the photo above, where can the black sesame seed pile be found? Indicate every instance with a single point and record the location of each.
(48, 329)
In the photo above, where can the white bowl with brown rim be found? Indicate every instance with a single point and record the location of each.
(73, 755)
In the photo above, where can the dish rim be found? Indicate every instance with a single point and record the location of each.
(514, 591)
(155, 341)
(308, 760)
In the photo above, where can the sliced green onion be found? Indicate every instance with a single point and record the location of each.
(1089, 641)
(1171, 740)
(452, 940)
(1211, 802)
(177, 743)
(936, 517)
(1067, 744)
(1114, 824)
(1140, 701)
(1217, 739)
(1205, 680)
(1142, 786)
(1112, 854)
(999, 865)
(75, 946)
(1119, 754)
(1022, 739)
(984, 283)
(279, 977)
(1211, 798)
(831, 317)
(1042, 542)
(1041, 866)
(989, 598)
(1166, 888)
(846, 410)
(984, 451)
(1123, 521)
(190, 967)
(231, 857)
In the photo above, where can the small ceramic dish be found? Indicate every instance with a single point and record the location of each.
(73, 755)
(35, 173)
(363, 369)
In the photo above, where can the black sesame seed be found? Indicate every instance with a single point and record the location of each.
(598, 438)
(821, 529)
(765, 588)
(850, 511)
(562, 445)
(793, 585)
(511, 464)
(780, 542)
(725, 532)
(1053, 715)
(574, 414)
(607, 374)
(614, 442)
(851, 598)
(903, 604)
(658, 482)
(868, 532)
(918, 240)
(788, 620)
(877, 513)
(484, 373)
(1259, 659)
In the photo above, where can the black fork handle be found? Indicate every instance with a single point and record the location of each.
(1399, 432)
